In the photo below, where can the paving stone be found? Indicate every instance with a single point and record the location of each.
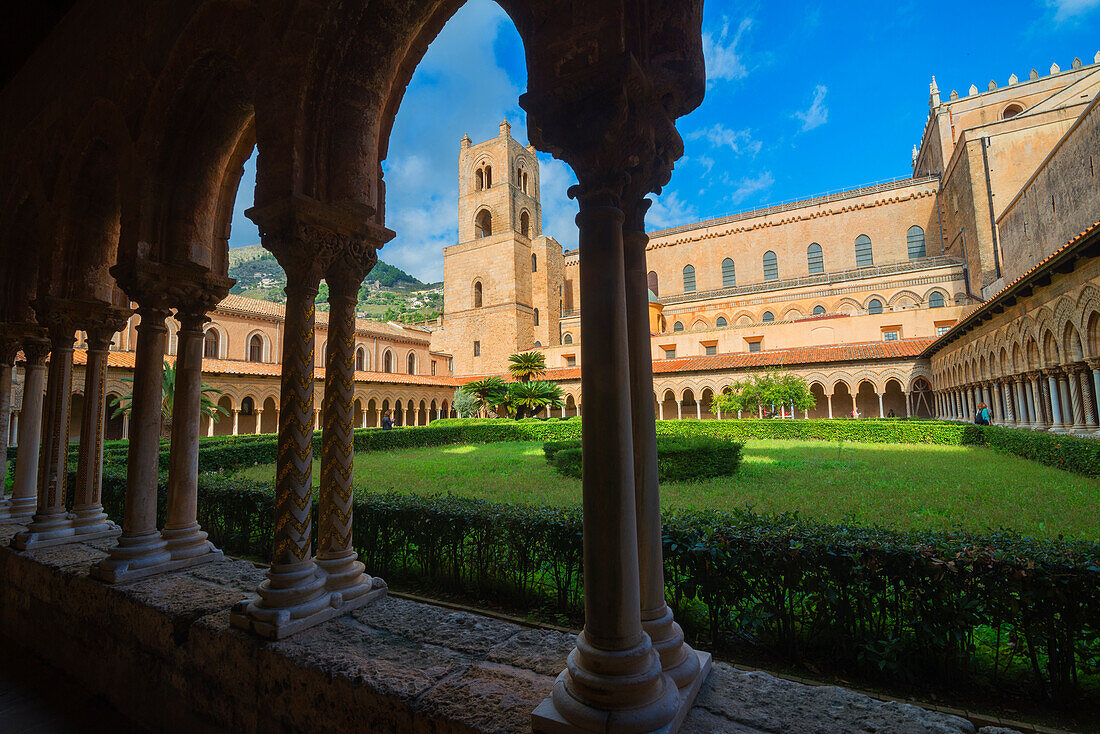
(66, 556)
(487, 698)
(997, 730)
(543, 651)
(775, 705)
(240, 575)
(436, 625)
(701, 721)
(7, 532)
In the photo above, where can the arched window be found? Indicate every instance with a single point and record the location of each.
(479, 180)
(525, 230)
(729, 273)
(819, 311)
(538, 345)
(771, 266)
(721, 321)
(534, 263)
(678, 326)
(483, 224)
(477, 294)
(864, 257)
(815, 261)
(210, 344)
(248, 406)
(874, 306)
(651, 281)
(536, 317)
(410, 364)
(488, 177)
(360, 359)
(387, 361)
(256, 348)
(914, 238)
(689, 278)
(935, 300)
(567, 339)
(768, 317)
(1011, 111)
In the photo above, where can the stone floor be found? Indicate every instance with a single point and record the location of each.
(436, 669)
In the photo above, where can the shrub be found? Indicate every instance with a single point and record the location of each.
(678, 459)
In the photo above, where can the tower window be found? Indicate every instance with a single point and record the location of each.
(483, 224)
(729, 273)
(815, 260)
(479, 180)
(488, 177)
(525, 225)
(536, 317)
(771, 266)
(477, 349)
(914, 238)
(865, 258)
(477, 294)
(534, 262)
(689, 278)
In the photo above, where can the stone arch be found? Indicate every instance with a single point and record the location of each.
(525, 230)
(264, 346)
(792, 313)
(700, 323)
(1073, 350)
(904, 299)
(215, 341)
(387, 360)
(483, 223)
(1051, 353)
(362, 359)
(478, 291)
(410, 363)
(847, 305)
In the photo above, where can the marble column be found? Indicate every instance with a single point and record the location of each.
(1094, 366)
(51, 523)
(908, 405)
(678, 660)
(210, 425)
(613, 680)
(236, 421)
(336, 556)
(828, 400)
(1057, 423)
(259, 415)
(1076, 398)
(987, 400)
(184, 538)
(881, 412)
(1032, 403)
(1010, 409)
(89, 519)
(698, 410)
(1021, 401)
(140, 545)
(679, 411)
(24, 497)
(1068, 417)
(1084, 376)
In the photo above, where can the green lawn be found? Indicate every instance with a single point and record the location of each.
(893, 485)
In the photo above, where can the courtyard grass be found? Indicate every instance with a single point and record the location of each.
(898, 486)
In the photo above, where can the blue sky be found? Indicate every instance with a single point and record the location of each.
(800, 100)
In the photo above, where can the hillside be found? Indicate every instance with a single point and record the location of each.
(388, 294)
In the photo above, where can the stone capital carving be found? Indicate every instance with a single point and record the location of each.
(35, 351)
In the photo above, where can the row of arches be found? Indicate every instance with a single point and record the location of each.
(815, 261)
(483, 223)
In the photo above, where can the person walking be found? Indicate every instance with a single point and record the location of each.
(982, 416)
(387, 421)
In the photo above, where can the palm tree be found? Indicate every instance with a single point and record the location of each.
(490, 391)
(526, 365)
(207, 406)
(528, 398)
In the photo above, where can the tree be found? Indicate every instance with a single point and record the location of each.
(465, 402)
(526, 365)
(490, 392)
(767, 392)
(207, 406)
(529, 398)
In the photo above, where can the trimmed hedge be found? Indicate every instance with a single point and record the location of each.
(679, 459)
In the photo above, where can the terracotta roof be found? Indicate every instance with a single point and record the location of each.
(976, 315)
(126, 360)
(256, 307)
(901, 349)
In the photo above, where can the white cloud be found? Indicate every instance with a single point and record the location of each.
(559, 212)
(745, 187)
(1067, 9)
(724, 62)
(718, 135)
(669, 210)
(818, 114)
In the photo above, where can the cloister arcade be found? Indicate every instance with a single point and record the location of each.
(118, 188)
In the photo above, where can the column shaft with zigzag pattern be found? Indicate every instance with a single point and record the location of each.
(334, 515)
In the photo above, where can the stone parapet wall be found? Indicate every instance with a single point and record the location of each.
(162, 652)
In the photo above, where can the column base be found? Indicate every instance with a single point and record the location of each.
(32, 540)
(547, 719)
(53, 528)
(130, 559)
(279, 623)
(18, 511)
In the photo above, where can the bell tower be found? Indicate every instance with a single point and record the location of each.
(498, 298)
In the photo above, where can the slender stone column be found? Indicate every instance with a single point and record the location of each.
(210, 425)
(140, 545)
(1021, 401)
(1057, 423)
(1010, 409)
(678, 660)
(51, 523)
(908, 405)
(259, 414)
(1032, 404)
(1076, 399)
(828, 399)
(186, 541)
(698, 410)
(126, 426)
(24, 497)
(335, 554)
(1094, 365)
(1042, 415)
(985, 398)
(881, 413)
(1084, 376)
(1067, 400)
(236, 421)
(613, 680)
(89, 519)
(679, 411)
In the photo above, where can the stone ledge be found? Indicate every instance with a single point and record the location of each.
(161, 650)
